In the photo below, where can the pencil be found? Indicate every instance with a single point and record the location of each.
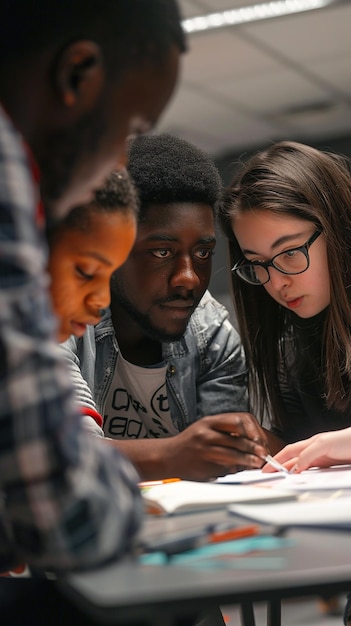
(153, 483)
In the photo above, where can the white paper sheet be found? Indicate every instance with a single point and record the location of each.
(249, 476)
(322, 513)
(332, 478)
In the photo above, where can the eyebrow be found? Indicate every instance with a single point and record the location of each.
(97, 256)
(278, 242)
(168, 238)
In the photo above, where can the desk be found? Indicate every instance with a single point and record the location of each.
(123, 594)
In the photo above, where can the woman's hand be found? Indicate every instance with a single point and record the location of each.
(322, 450)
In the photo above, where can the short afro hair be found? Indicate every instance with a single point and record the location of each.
(167, 169)
(117, 195)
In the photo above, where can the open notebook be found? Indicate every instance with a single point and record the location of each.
(186, 496)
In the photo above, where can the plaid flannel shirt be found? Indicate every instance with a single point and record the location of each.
(67, 499)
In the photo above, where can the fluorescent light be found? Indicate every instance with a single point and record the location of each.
(251, 13)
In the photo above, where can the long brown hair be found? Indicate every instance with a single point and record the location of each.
(295, 179)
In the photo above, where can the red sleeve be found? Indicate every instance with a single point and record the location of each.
(94, 414)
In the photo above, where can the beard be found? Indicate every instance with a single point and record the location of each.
(142, 319)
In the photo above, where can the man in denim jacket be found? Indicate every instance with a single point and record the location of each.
(165, 367)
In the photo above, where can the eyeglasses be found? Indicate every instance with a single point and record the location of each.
(293, 261)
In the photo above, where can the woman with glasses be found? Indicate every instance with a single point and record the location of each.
(287, 215)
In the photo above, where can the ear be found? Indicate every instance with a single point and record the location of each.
(79, 75)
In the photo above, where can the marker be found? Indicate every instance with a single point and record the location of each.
(191, 540)
(228, 534)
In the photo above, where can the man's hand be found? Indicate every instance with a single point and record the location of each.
(219, 444)
(213, 446)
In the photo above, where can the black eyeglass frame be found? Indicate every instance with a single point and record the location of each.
(266, 264)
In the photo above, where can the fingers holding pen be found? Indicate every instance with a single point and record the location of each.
(248, 453)
(321, 450)
(243, 435)
(242, 425)
(216, 445)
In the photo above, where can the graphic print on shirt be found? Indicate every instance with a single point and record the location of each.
(137, 404)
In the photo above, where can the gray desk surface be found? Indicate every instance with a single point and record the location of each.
(317, 561)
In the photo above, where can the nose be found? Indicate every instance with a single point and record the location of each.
(99, 298)
(278, 279)
(184, 275)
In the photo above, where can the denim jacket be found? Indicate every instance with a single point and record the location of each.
(206, 372)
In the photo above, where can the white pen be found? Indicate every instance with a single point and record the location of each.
(278, 466)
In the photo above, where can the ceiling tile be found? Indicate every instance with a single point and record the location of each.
(216, 123)
(191, 8)
(220, 53)
(237, 82)
(336, 72)
(320, 34)
(271, 92)
(334, 120)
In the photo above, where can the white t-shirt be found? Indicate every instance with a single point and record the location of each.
(137, 405)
